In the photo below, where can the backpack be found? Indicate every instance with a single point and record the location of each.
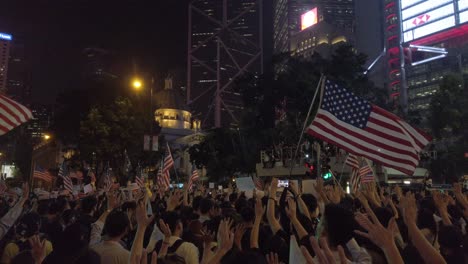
(171, 251)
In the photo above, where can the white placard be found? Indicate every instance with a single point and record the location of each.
(308, 187)
(211, 185)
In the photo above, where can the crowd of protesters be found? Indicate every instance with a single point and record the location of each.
(277, 225)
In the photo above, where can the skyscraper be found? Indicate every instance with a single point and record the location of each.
(225, 42)
(287, 17)
(5, 40)
(19, 80)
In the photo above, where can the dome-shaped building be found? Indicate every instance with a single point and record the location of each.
(172, 113)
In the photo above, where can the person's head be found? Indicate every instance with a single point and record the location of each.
(29, 225)
(451, 243)
(339, 224)
(172, 219)
(69, 217)
(206, 205)
(311, 203)
(117, 224)
(247, 214)
(427, 224)
(233, 198)
(74, 238)
(196, 203)
(241, 203)
(24, 257)
(89, 205)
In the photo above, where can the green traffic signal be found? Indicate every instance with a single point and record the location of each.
(327, 175)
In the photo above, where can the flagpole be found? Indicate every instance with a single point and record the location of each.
(373, 171)
(305, 123)
(342, 169)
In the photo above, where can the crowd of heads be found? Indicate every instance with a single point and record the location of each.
(278, 225)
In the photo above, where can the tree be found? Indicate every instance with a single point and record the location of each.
(110, 130)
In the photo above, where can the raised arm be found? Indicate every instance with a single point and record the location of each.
(143, 221)
(259, 212)
(272, 221)
(300, 203)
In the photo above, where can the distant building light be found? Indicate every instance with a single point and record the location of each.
(5, 36)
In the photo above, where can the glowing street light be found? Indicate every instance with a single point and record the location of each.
(137, 84)
(47, 136)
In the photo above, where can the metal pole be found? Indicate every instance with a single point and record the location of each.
(189, 53)
(305, 123)
(260, 11)
(151, 109)
(217, 110)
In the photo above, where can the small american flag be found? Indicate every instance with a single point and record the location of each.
(258, 182)
(140, 181)
(168, 160)
(364, 129)
(107, 180)
(3, 186)
(163, 179)
(193, 178)
(40, 173)
(67, 182)
(352, 161)
(366, 174)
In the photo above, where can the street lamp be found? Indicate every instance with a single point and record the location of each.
(137, 84)
(47, 136)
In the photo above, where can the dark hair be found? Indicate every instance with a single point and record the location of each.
(24, 257)
(340, 224)
(310, 201)
(88, 204)
(116, 223)
(247, 214)
(233, 197)
(43, 207)
(172, 219)
(384, 215)
(206, 205)
(129, 205)
(426, 220)
(240, 204)
(69, 216)
(29, 225)
(196, 202)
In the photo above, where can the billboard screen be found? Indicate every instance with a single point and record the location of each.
(5, 36)
(309, 19)
(421, 18)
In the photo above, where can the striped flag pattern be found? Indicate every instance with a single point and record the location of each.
(193, 178)
(366, 174)
(107, 180)
(163, 179)
(140, 181)
(353, 162)
(67, 182)
(258, 182)
(364, 129)
(12, 114)
(3, 186)
(40, 173)
(168, 160)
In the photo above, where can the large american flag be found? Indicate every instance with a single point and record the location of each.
(12, 114)
(63, 173)
(43, 174)
(193, 178)
(361, 128)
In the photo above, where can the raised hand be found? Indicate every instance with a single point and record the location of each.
(165, 229)
(37, 249)
(259, 209)
(291, 209)
(238, 234)
(225, 236)
(174, 200)
(272, 258)
(141, 217)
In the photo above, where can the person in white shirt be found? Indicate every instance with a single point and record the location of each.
(186, 250)
(110, 249)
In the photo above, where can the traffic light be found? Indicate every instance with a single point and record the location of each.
(310, 171)
(327, 176)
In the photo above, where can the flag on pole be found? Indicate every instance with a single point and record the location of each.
(365, 174)
(140, 181)
(107, 180)
(3, 186)
(364, 129)
(12, 114)
(163, 179)
(67, 182)
(40, 173)
(258, 183)
(168, 160)
(352, 161)
(193, 178)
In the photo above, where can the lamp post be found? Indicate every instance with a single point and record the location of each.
(137, 85)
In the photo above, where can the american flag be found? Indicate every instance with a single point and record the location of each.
(40, 173)
(366, 174)
(361, 128)
(352, 161)
(140, 181)
(163, 179)
(168, 160)
(107, 180)
(67, 182)
(193, 178)
(3, 186)
(258, 183)
(12, 114)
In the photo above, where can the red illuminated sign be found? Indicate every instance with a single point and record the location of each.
(309, 19)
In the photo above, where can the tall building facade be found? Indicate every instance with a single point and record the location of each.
(19, 81)
(425, 41)
(41, 122)
(5, 43)
(225, 42)
(288, 16)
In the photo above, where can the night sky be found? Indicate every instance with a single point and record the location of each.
(150, 34)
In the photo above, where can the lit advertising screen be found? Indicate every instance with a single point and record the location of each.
(309, 19)
(5, 36)
(421, 18)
